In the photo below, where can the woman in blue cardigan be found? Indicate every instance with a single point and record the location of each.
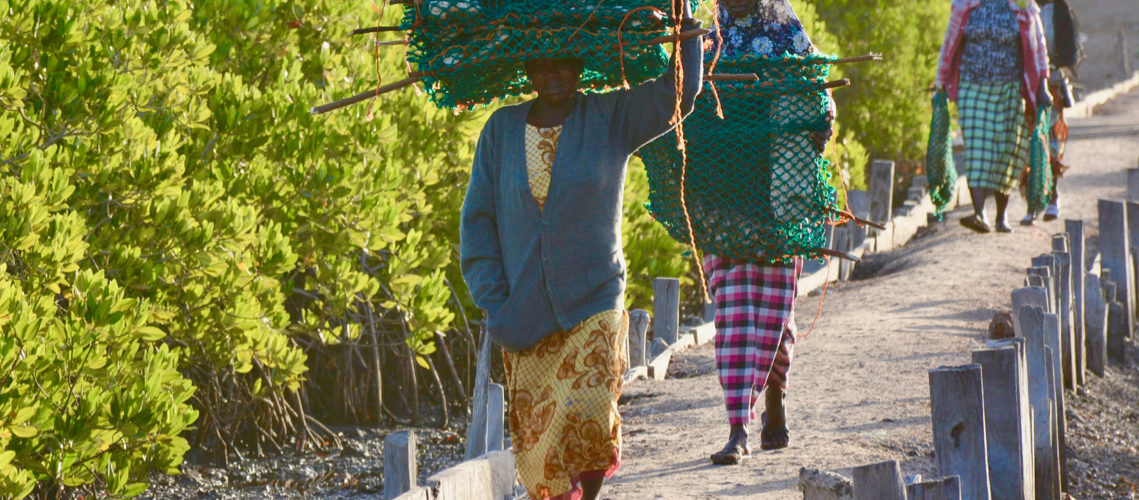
(541, 253)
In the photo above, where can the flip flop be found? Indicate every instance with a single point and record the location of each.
(773, 439)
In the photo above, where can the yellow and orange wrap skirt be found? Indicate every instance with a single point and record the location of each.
(564, 423)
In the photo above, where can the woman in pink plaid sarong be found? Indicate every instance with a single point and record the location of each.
(755, 319)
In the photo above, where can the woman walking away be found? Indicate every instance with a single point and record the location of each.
(755, 319)
(994, 64)
(541, 253)
(1064, 54)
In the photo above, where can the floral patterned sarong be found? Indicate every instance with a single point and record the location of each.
(564, 424)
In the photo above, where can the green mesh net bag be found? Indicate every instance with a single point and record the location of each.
(472, 52)
(755, 184)
(1039, 168)
(939, 167)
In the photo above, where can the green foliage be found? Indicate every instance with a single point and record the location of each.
(169, 203)
(849, 158)
(886, 110)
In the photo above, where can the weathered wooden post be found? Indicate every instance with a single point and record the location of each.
(666, 309)
(1027, 296)
(1052, 341)
(1075, 230)
(1115, 254)
(881, 481)
(1063, 262)
(1057, 423)
(881, 190)
(399, 464)
(1006, 418)
(476, 429)
(859, 201)
(1116, 328)
(1132, 242)
(495, 423)
(1095, 310)
(946, 488)
(638, 329)
(1133, 185)
(1043, 405)
(1117, 317)
(1044, 273)
(959, 427)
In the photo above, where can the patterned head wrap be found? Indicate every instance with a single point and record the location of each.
(771, 30)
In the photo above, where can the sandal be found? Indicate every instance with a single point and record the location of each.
(732, 454)
(773, 439)
(976, 223)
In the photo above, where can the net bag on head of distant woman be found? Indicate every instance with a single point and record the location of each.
(756, 186)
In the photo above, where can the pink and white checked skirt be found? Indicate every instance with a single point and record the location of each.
(755, 328)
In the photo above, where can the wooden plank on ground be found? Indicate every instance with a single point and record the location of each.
(881, 481)
(946, 488)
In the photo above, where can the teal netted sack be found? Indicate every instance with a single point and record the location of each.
(939, 167)
(472, 52)
(1039, 168)
(755, 185)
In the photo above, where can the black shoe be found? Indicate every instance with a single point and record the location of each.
(976, 223)
(1003, 227)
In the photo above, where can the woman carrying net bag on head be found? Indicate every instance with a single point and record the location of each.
(994, 64)
(541, 253)
(755, 299)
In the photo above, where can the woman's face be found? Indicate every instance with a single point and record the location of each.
(740, 8)
(555, 80)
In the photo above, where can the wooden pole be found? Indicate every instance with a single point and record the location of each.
(959, 427)
(476, 430)
(1040, 396)
(399, 464)
(1133, 185)
(1052, 341)
(881, 481)
(881, 190)
(1115, 253)
(1075, 230)
(1006, 418)
(638, 329)
(363, 96)
(495, 424)
(376, 29)
(1096, 322)
(666, 309)
(684, 35)
(1132, 241)
(1027, 296)
(1057, 457)
(946, 488)
(1064, 300)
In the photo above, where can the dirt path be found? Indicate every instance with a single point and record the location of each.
(860, 389)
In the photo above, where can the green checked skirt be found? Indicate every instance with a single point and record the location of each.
(996, 134)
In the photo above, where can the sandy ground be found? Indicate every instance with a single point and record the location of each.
(860, 389)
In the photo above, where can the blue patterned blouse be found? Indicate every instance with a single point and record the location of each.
(772, 30)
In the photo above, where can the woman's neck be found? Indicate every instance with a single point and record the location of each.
(546, 114)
